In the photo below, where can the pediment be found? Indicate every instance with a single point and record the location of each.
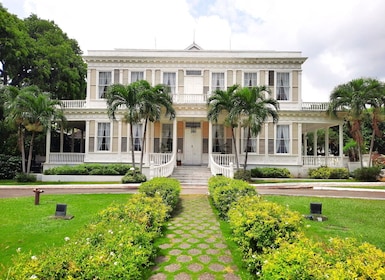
(194, 47)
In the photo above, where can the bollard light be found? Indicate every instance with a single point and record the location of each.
(315, 208)
(61, 210)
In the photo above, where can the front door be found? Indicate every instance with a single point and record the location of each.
(193, 146)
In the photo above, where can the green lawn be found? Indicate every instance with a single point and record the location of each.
(32, 228)
(361, 219)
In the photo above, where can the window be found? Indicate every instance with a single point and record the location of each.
(136, 76)
(137, 131)
(219, 138)
(283, 139)
(250, 147)
(250, 80)
(169, 79)
(218, 81)
(166, 145)
(193, 73)
(104, 134)
(104, 82)
(283, 86)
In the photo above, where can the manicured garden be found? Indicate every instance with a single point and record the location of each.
(269, 234)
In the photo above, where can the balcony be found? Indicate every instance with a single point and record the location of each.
(192, 99)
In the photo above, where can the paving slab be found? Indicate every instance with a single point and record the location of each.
(193, 246)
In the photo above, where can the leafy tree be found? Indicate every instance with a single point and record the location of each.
(140, 101)
(253, 109)
(355, 97)
(31, 110)
(37, 52)
(222, 101)
(153, 99)
(14, 44)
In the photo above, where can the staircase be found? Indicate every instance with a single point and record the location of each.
(191, 175)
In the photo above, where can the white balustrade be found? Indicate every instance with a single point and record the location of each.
(316, 161)
(223, 159)
(66, 158)
(216, 169)
(73, 103)
(162, 164)
(315, 106)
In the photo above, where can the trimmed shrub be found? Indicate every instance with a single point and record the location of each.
(134, 178)
(244, 175)
(217, 181)
(10, 166)
(90, 169)
(260, 226)
(270, 172)
(367, 174)
(25, 178)
(224, 196)
(335, 259)
(168, 188)
(119, 244)
(325, 172)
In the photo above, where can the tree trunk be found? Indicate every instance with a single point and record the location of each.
(247, 149)
(235, 147)
(371, 148)
(21, 147)
(30, 153)
(132, 146)
(143, 144)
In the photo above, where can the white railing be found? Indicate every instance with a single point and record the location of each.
(223, 159)
(316, 161)
(189, 98)
(164, 165)
(73, 103)
(315, 106)
(66, 158)
(217, 169)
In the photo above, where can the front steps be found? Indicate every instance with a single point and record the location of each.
(191, 175)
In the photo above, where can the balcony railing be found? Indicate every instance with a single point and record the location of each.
(66, 158)
(184, 99)
(164, 165)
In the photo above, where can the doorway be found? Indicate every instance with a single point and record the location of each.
(193, 144)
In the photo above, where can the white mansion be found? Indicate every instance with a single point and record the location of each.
(190, 138)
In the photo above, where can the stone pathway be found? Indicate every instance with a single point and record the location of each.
(194, 247)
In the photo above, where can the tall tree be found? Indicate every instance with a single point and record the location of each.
(355, 97)
(37, 52)
(253, 109)
(32, 110)
(222, 101)
(14, 45)
(152, 101)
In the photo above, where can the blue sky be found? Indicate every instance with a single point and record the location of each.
(342, 39)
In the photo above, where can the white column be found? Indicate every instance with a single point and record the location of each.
(88, 97)
(48, 145)
(120, 140)
(315, 143)
(87, 140)
(300, 144)
(305, 144)
(341, 143)
(121, 76)
(266, 139)
(326, 142)
(210, 140)
(174, 139)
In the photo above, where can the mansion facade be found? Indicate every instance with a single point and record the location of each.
(191, 139)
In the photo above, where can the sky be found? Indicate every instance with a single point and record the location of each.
(342, 39)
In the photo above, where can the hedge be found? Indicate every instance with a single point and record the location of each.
(118, 244)
(335, 259)
(325, 172)
(260, 226)
(90, 169)
(168, 188)
(270, 172)
(10, 166)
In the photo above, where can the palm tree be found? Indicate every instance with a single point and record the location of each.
(251, 106)
(153, 99)
(222, 101)
(32, 110)
(125, 97)
(355, 97)
(141, 102)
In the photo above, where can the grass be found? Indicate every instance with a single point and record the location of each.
(31, 227)
(361, 219)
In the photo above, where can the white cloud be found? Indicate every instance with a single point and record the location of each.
(342, 39)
